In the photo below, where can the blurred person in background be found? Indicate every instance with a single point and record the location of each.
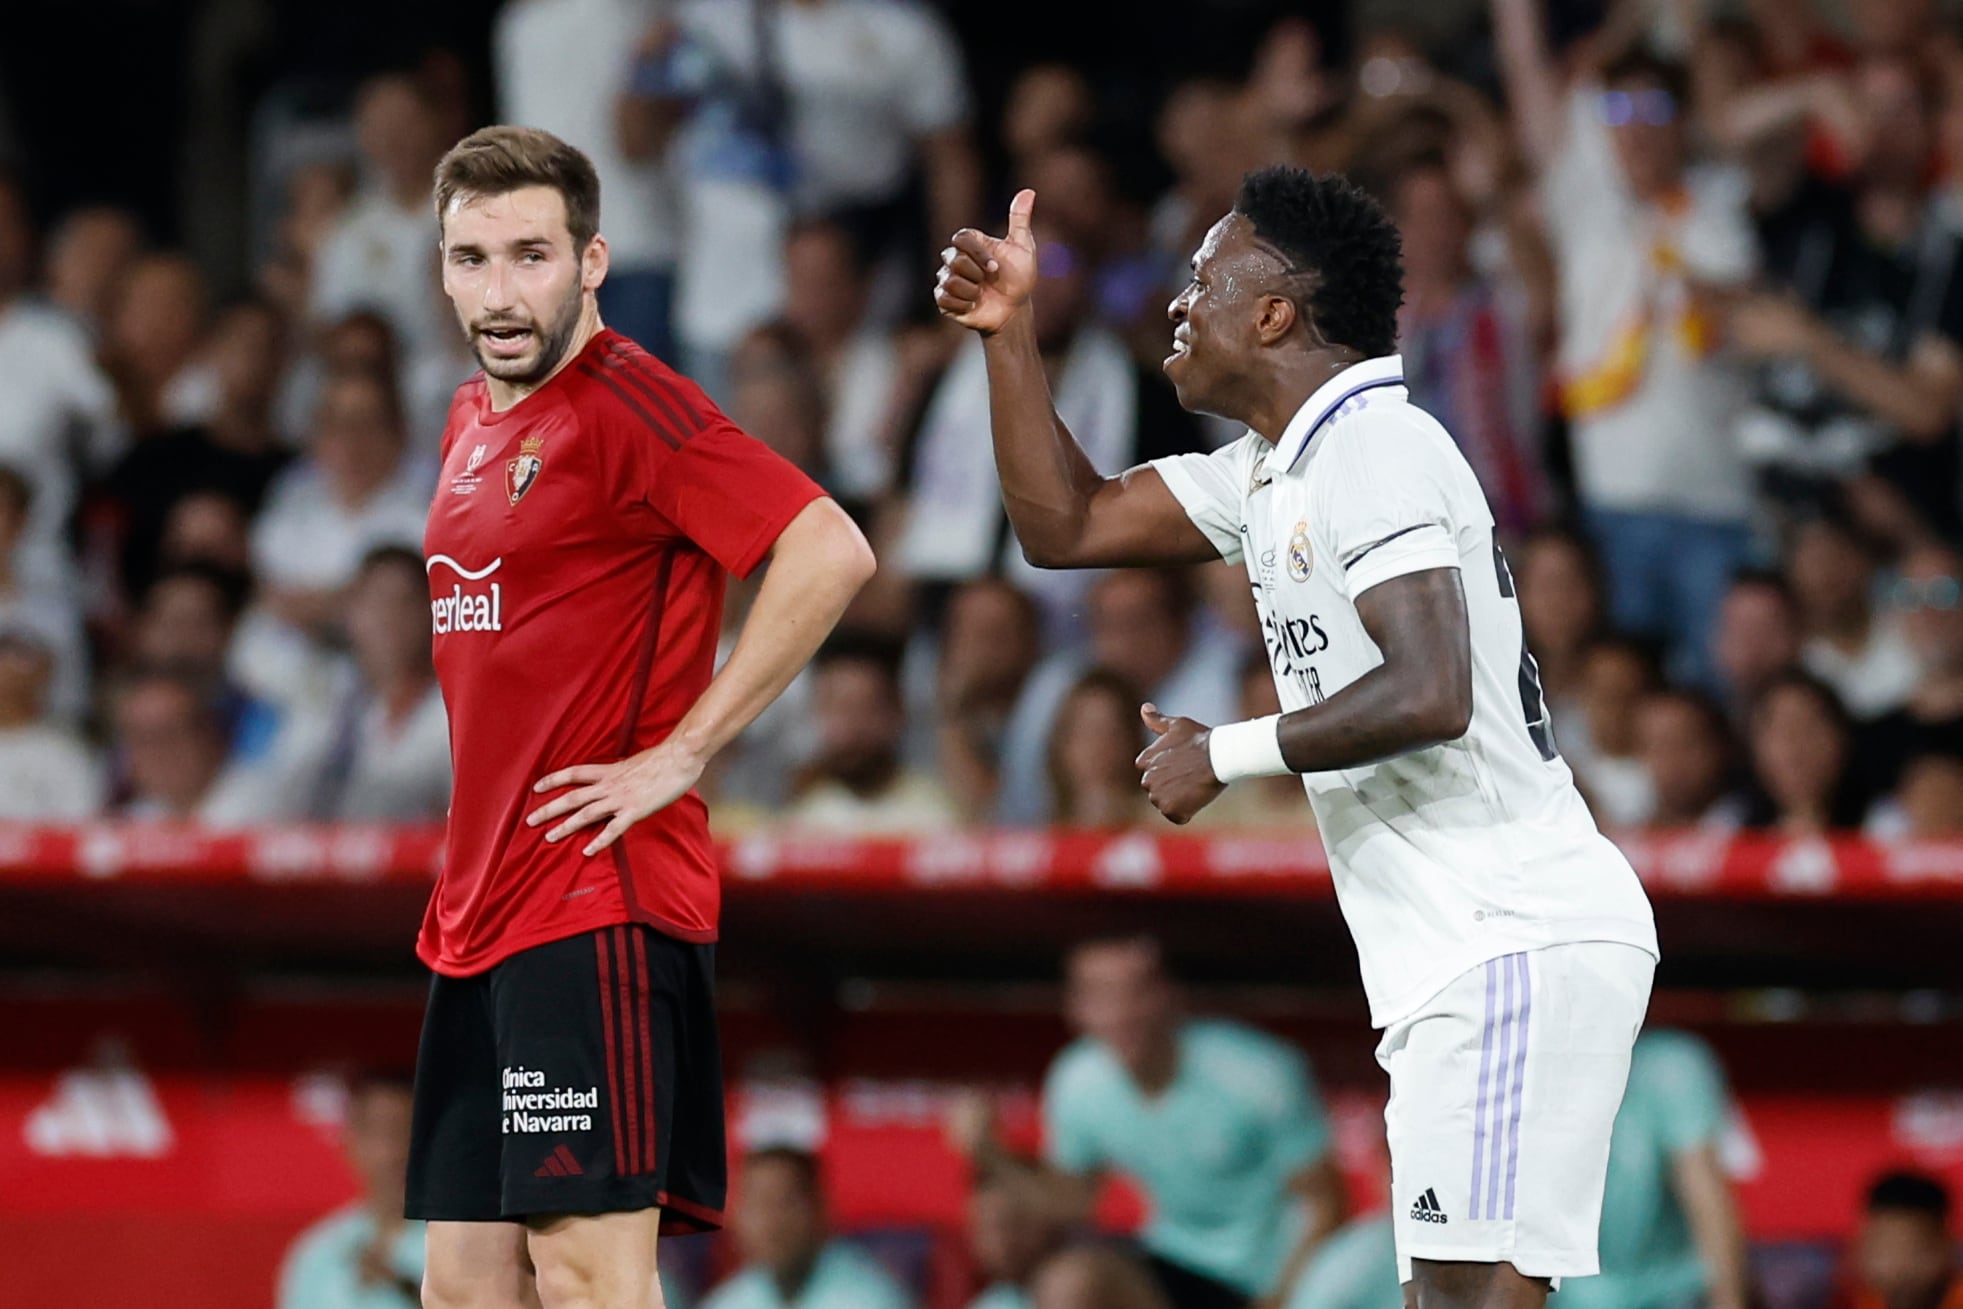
(1862, 654)
(1147, 627)
(1356, 1268)
(1643, 240)
(1861, 342)
(1559, 581)
(1904, 1256)
(858, 783)
(1927, 596)
(1803, 765)
(1010, 1234)
(1199, 136)
(48, 774)
(207, 527)
(1930, 797)
(89, 251)
(1259, 803)
(1684, 742)
(1671, 1231)
(1757, 637)
(170, 740)
(315, 195)
(376, 747)
(156, 324)
(366, 1256)
(1093, 742)
(1468, 347)
(1601, 744)
(1220, 1125)
(1047, 106)
(1090, 213)
(1095, 1277)
(37, 603)
(989, 643)
(789, 1258)
(185, 623)
(774, 393)
(567, 66)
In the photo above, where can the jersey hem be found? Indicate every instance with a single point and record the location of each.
(1580, 931)
(484, 961)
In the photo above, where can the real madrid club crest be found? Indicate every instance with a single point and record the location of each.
(1300, 558)
(521, 473)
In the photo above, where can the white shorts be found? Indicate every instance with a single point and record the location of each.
(1503, 1090)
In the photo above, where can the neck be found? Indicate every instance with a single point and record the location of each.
(1160, 1066)
(506, 394)
(792, 1277)
(1294, 381)
(1847, 630)
(246, 429)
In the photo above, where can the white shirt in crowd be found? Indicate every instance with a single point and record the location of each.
(1460, 852)
(57, 423)
(1874, 680)
(562, 65)
(1654, 413)
(306, 538)
(915, 804)
(48, 775)
(856, 444)
(381, 256)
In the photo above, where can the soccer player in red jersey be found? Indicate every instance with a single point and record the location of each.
(568, 1087)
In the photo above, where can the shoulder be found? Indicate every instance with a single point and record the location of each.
(1380, 440)
(615, 380)
(1667, 1058)
(1084, 1069)
(851, 1272)
(328, 1238)
(739, 1292)
(1243, 1059)
(1724, 190)
(47, 332)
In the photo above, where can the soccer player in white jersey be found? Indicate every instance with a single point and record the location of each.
(1506, 947)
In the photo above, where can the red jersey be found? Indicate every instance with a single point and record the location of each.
(577, 551)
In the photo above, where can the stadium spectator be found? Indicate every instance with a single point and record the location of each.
(366, 1256)
(775, 394)
(858, 783)
(1928, 595)
(1010, 1234)
(1757, 636)
(989, 644)
(1802, 752)
(1602, 746)
(1150, 1093)
(1861, 654)
(207, 527)
(1146, 627)
(47, 772)
(1095, 1277)
(1093, 743)
(156, 322)
(567, 66)
(185, 624)
(47, 609)
(1641, 236)
(89, 252)
(1199, 136)
(1671, 1233)
(1258, 803)
(1561, 613)
(789, 1260)
(170, 740)
(1904, 1256)
(1048, 105)
(376, 748)
(1684, 742)
(1088, 213)
(1356, 1268)
(316, 195)
(1930, 797)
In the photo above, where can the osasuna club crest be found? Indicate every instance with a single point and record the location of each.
(1300, 558)
(521, 473)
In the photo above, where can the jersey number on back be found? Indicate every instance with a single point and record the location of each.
(1532, 703)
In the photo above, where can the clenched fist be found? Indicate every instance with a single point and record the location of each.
(984, 279)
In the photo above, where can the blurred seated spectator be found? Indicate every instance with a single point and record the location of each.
(47, 772)
(1928, 801)
(1011, 1234)
(46, 607)
(377, 747)
(156, 322)
(1671, 1232)
(381, 253)
(363, 341)
(1644, 236)
(1095, 1277)
(1602, 747)
(1561, 611)
(1802, 750)
(357, 488)
(207, 527)
(229, 447)
(1928, 597)
(170, 741)
(1860, 348)
(1684, 742)
(1048, 105)
(1356, 1268)
(857, 782)
(1861, 654)
(1093, 745)
(366, 1256)
(184, 625)
(1470, 358)
(1258, 803)
(1088, 212)
(1757, 637)
(789, 1260)
(1147, 627)
(989, 645)
(89, 251)
(1150, 1093)
(1199, 136)
(775, 394)
(1904, 1256)
(316, 194)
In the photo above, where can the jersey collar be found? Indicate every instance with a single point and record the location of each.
(1331, 396)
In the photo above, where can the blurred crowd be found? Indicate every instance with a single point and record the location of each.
(1685, 286)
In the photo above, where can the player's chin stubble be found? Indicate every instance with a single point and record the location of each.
(552, 346)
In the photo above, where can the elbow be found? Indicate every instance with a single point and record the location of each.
(1446, 713)
(1039, 552)
(856, 562)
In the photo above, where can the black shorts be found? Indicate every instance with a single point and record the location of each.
(1186, 1289)
(582, 1076)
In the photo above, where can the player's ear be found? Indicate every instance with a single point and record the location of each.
(1278, 318)
(593, 263)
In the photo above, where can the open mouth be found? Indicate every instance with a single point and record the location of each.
(1180, 345)
(506, 342)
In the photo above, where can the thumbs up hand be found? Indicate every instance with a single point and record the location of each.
(1176, 770)
(984, 279)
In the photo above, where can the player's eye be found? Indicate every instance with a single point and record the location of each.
(531, 257)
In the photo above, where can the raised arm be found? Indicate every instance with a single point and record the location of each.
(1065, 513)
(1532, 83)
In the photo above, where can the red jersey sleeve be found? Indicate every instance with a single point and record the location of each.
(728, 492)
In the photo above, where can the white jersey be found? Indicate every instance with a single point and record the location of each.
(1462, 852)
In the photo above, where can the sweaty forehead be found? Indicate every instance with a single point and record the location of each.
(1232, 245)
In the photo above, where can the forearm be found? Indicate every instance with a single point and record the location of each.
(1385, 712)
(1715, 1228)
(817, 566)
(1047, 479)
(954, 180)
(1533, 91)
(1895, 393)
(1321, 1190)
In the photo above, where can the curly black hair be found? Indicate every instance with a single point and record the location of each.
(1343, 240)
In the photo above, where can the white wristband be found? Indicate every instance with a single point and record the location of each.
(1249, 749)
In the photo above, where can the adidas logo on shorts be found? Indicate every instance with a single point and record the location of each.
(1427, 1209)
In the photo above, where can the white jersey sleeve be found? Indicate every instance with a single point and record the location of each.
(1212, 488)
(1386, 501)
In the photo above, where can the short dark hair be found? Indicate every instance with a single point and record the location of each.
(1763, 579)
(1638, 64)
(502, 159)
(1332, 229)
(407, 558)
(1912, 1192)
(802, 1162)
(232, 587)
(880, 652)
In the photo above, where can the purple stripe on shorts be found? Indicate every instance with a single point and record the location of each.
(1485, 1073)
(1501, 1084)
(1519, 1080)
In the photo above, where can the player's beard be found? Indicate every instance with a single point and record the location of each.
(553, 342)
